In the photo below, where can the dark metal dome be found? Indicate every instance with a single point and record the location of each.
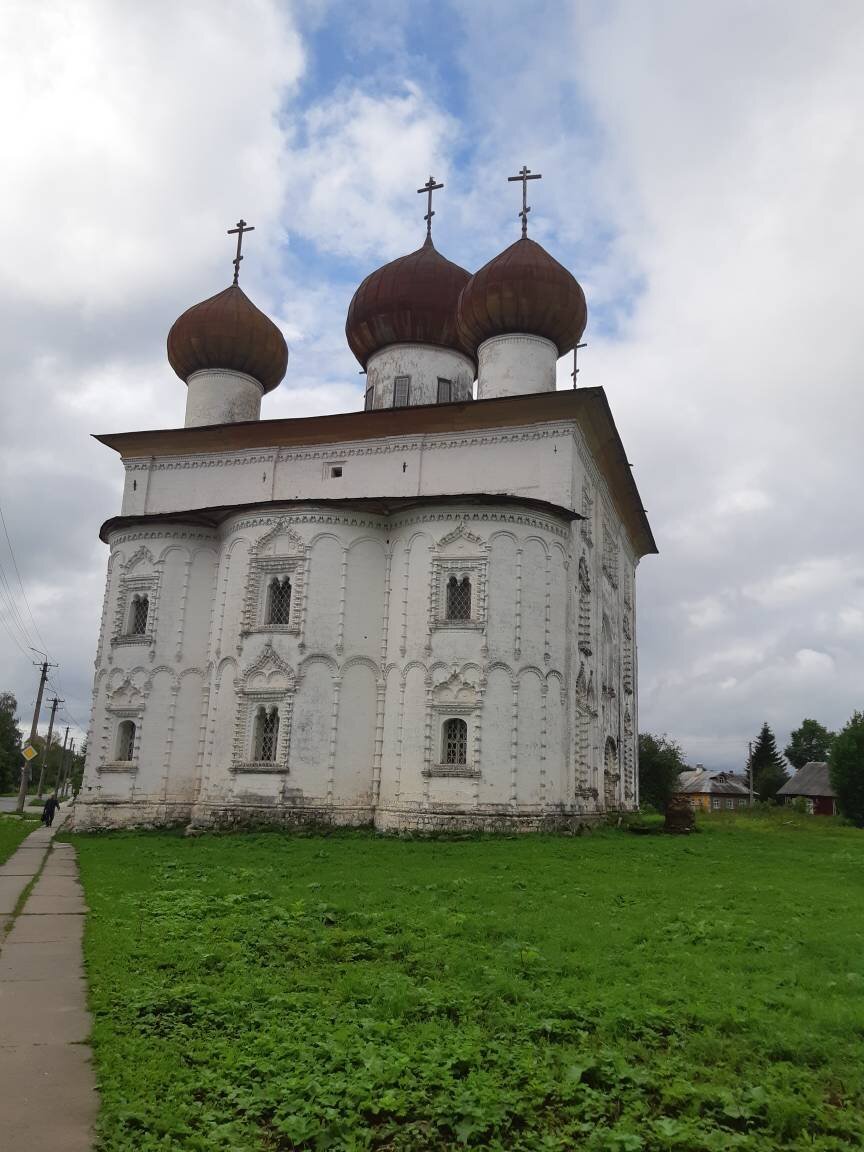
(411, 300)
(523, 289)
(228, 331)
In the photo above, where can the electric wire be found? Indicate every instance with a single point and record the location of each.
(20, 581)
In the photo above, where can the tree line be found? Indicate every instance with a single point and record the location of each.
(11, 758)
(661, 762)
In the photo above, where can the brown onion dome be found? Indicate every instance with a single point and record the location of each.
(524, 289)
(229, 332)
(411, 300)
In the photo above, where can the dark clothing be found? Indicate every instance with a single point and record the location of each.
(50, 807)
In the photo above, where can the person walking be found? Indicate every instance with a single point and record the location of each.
(48, 810)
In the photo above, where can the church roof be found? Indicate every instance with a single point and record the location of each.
(377, 506)
(227, 331)
(588, 407)
(411, 300)
(523, 289)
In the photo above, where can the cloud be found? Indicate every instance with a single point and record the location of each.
(702, 167)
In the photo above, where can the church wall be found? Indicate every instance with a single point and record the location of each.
(368, 669)
(533, 461)
(139, 677)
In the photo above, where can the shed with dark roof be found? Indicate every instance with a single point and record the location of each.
(813, 784)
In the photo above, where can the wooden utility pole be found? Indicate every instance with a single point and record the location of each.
(62, 763)
(750, 769)
(25, 771)
(54, 704)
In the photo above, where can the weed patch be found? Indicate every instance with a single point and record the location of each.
(275, 992)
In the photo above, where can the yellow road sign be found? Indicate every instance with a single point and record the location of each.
(28, 752)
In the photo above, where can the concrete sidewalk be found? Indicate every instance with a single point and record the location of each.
(49, 1089)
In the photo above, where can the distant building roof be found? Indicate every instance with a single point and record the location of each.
(712, 783)
(811, 780)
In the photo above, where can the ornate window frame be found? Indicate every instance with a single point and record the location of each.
(454, 699)
(262, 569)
(130, 587)
(130, 702)
(249, 699)
(474, 567)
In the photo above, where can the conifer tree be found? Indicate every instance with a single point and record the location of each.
(812, 741)
(766, 764)
(846, 766)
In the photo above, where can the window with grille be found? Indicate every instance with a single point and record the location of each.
(138, 615)
(458, 598)
(370, 397)
(445, 389)
(455, 742)
(125, 740)
(266, 733)
(400, 391)
(278, 601)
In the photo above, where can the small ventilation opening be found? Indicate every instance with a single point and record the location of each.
(336, 471)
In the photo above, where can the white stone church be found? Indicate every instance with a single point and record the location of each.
(416, 616)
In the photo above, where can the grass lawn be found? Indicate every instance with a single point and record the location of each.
(608, 991)
(13, 830)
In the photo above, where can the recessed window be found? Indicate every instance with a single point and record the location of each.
(445, 390)
(125, 740)
(138, 612)
(369, 400)
(400, 391)
(266, 734)
(454, 741)
(458, 598)
(278, 601)
(336, 472)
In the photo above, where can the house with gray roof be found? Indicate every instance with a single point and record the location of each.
(714, 791)
(813, 784)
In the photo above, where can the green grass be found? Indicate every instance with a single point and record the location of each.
(13, 829)
(609, 991)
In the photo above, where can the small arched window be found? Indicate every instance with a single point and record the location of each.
(138, 613)
(454, 741)
(369, 400)
(279, 601)
(266, 733)
(458, 598)
(125, 740)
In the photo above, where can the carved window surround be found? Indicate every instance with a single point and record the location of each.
(116, 716)
(472, 568)
(131, 586)
(261, 571)
(271, 683)
(443, 711)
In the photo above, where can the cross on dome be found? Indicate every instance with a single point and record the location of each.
(525, 174)
(242, 227)
(429, 187)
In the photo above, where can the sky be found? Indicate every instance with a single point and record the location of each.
(702, 172)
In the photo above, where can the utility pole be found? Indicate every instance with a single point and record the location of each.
(25, 771)
(750, 769)
(54, 705)
(62, 763)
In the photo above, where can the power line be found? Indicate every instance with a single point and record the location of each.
(20, 581)
(8, 601)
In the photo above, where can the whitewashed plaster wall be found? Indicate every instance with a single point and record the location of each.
(367, 670)
(534, 461)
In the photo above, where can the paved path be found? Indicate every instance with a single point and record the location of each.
(49, 1089)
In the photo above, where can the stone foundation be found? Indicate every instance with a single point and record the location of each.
(106, 815)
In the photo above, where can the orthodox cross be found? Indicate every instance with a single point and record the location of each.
(525, 174)
(242, 227)
(575, 371)
(429, 187)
